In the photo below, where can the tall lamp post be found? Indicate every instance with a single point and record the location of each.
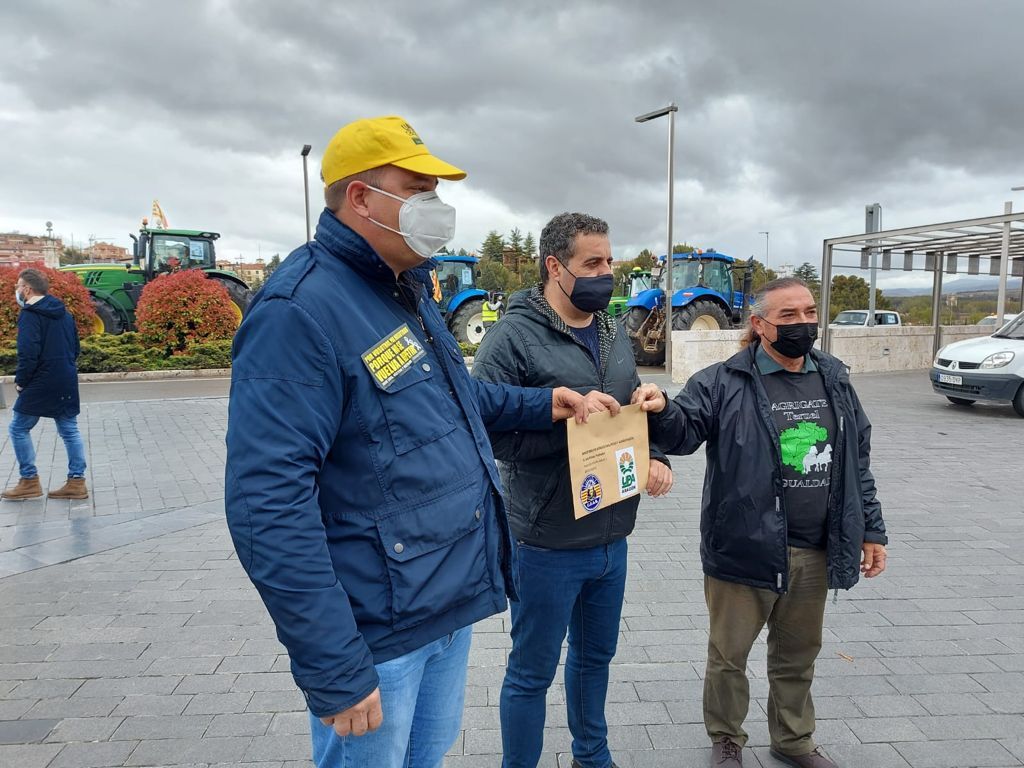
(305, 185)
(765, 233)
(670, 110)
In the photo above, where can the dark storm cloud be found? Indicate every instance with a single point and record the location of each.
(815, 103)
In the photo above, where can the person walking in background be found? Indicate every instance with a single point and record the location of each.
(46, 379)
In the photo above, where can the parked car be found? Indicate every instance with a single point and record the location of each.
(859, 317)
(988, 368)
(991, 320)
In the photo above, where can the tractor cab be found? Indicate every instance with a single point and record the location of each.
(158, 251)
(455, 274)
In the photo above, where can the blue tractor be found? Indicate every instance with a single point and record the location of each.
(461, 302)
(706, 297)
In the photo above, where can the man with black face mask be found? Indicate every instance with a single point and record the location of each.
(789, 512)
(570, 574)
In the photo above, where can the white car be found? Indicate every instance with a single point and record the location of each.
(991, 320)
(988, 368)
(859, 318)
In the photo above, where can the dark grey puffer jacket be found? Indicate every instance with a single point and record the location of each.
(743, 529)
(531, 347)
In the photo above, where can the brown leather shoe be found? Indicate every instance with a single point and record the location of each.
(726, 753)
(27, 488)
(815, 759)
(74, 488)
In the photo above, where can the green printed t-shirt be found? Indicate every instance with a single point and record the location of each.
(806, 427)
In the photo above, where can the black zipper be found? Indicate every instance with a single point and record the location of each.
(781, 578)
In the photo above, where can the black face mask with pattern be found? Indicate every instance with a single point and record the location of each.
(794, 340)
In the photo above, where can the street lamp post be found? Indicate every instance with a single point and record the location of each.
(305, 185)
(670, 110)
(765, 233)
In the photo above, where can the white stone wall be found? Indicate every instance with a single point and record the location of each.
(865, 350)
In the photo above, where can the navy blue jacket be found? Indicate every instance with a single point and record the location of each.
(743, 530)
(47, 350)
(368, 515)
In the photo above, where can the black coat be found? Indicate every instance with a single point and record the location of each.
(47, 350)
(531, 347)
(743, 515)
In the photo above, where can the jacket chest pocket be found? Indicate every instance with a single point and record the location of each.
(416, 411)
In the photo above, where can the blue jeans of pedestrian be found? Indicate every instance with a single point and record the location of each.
(576, 589)
(67, 427)
(421, 694)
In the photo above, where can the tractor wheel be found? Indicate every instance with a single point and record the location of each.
(467, 324)
(700, 316)
(107, 318)
(960, 400)
(240, 296)
(633, 320)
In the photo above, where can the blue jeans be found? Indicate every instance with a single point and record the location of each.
(576, 589)
(421, 694)
(67, 428)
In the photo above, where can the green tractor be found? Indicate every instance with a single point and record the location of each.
(631, 285)
(116, 288)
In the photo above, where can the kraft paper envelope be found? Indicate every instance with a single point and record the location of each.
(609, 458)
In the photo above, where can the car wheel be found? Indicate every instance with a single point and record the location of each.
(960, 400)
(1018, 401)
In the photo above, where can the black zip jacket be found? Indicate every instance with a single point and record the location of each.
(743, 527)
(532, 347)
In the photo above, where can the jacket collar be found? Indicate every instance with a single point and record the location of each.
(348, 245)
(745, 361)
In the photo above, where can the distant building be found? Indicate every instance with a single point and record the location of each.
(105, 252)
(785, 270)
(20, 250)
(250, 273)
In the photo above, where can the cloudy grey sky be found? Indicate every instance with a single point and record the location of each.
(793, 114)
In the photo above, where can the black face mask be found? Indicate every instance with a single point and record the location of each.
(794, 340)
(590, 294)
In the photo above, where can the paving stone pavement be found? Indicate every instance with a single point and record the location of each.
(151, 648)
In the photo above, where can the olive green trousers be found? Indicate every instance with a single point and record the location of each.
(738, 614)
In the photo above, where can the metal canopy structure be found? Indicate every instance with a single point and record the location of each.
(995, 243)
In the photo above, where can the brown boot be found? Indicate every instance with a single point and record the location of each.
(27, 488)
(74, 488)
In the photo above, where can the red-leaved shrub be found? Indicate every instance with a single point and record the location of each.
(181, 309)
(64, 285)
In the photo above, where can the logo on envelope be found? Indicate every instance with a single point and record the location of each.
(627, 472)
(590, 493)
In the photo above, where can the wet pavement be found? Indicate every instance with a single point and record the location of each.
(130, 635)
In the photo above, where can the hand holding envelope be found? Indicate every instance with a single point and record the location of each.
(609, 458)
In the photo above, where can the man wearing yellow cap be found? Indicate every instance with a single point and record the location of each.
(361, 491)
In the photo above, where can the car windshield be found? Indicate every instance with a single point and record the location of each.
(1012, 330)
(850, 318)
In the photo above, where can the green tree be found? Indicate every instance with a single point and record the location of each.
(495, 277)
(645, 259)
(529, 246)
(851, 292)
(682, 248)
(273, 264)
(809, 274)
(761, 276)
(492, 248)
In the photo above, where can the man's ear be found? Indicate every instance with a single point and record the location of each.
(355, 197)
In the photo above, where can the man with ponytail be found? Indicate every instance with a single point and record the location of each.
(789, 512)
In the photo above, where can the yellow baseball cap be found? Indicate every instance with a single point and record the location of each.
(376, 141)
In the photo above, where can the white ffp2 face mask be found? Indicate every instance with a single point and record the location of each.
(426, 223)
